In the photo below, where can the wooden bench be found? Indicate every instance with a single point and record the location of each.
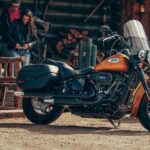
(9, 68)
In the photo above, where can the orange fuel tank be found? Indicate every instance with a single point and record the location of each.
(118, 62)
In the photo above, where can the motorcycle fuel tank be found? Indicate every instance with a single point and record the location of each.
(118, 62)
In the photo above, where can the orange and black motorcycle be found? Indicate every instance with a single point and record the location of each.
(113, 88)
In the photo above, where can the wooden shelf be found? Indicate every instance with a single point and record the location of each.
(6, 112)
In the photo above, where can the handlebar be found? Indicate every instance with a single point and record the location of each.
(31, 44)
(108, 38)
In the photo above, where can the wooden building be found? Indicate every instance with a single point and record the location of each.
(65, 14)
(137, 9)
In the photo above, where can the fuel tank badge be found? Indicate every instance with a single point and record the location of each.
(113, 60)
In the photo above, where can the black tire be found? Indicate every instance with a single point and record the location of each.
(144, 113)
(37, 118)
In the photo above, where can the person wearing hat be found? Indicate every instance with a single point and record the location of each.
(8, 16)
(20, 37)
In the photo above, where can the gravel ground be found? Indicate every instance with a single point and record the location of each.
(70, 132)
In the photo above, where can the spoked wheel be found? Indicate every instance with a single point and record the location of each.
(144, 113)
(39, 112)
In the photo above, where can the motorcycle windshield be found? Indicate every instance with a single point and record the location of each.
(134, 32)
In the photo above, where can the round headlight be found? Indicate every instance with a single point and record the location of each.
(148, 57)
(142, 54)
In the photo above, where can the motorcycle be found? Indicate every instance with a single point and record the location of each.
(117, 86)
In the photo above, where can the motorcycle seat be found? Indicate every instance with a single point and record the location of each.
(65, 70)
(85, 70)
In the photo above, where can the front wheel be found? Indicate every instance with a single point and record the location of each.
(144, 113)
(39, 112)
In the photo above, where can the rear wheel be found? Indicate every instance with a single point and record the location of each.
(144, 113)
(39, 112)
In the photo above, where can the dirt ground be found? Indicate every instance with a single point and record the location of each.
(70, 132)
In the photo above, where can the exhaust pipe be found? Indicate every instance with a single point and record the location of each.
(46, 95)
(61, 99)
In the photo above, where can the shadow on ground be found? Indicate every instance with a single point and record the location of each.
(70, 130)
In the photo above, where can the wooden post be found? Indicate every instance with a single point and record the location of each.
(0, 69)
(88, 52)
(17, 99)
(94, 54)
(80, 61)
(8, 77)
(145, 17)
(3, 95)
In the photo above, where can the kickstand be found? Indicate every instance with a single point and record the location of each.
(116, 127)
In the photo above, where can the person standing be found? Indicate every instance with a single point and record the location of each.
(20, 37)
(8, 16)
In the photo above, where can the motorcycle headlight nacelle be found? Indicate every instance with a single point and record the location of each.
(142, 54)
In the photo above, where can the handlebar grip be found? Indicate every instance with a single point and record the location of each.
(32, 44)
(109, 38)
(103, 39)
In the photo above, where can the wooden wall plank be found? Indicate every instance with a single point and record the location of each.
(64, 14)
(131, 11)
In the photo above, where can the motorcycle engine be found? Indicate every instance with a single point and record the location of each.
(109, 86)
(110, 91)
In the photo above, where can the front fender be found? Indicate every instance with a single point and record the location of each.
(137, 98)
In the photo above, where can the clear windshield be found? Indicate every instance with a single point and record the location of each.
(134, 31)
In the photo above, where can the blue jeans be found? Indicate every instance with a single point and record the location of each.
(18, 53)
(14, 53)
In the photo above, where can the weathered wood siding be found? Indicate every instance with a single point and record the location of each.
(65, 14)
(130, 10)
